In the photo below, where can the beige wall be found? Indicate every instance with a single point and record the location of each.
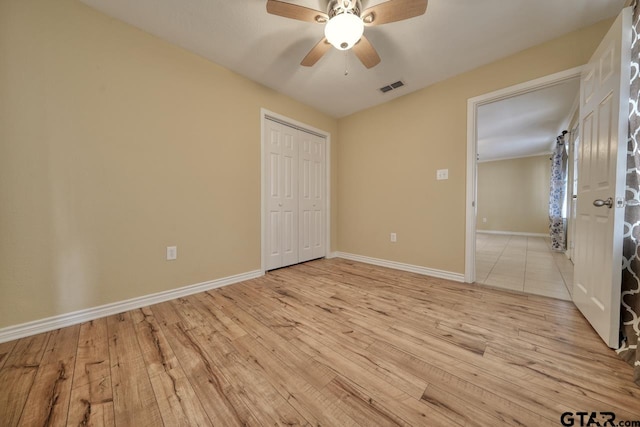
(389, 156)
(513, 195)
(114, 145)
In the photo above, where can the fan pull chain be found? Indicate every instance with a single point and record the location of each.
(346, 63)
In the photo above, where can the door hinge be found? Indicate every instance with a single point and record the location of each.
(632, 202)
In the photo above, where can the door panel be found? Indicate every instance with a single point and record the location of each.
(605, 145)
(274, 213)
(602, 160)
(282, 200)
(275, 247)
(318, 244)
(311, 196)
(318, 195)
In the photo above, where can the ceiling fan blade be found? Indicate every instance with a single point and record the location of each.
(366, 53)
(393, 11)
(316, 53)
(293, 11)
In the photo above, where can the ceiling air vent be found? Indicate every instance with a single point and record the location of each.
(392, 86)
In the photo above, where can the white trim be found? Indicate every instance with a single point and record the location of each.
(293, 123)
(332, 255)
(472, 142)
(527, 87)
(68, 319)
(264, 113)
(512, 233)
(470, 206)
(441, 274)
(542, 153)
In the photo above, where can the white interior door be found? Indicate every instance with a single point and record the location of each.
(312, 216)
(601, 177)
(282, 195)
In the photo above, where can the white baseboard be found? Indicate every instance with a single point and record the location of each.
(513, 233)
(60, 321)
(441, 274)
(331, 255)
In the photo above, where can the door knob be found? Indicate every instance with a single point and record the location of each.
(600, 203)
(280, 204)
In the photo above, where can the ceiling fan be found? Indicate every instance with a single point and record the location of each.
(344, 24)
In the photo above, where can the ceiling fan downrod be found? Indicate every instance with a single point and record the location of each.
(338, 7)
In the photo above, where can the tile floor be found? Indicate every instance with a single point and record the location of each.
(524, 264)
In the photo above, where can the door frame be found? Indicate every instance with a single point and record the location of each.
(472, 150)
(571, 220)
(267, 114)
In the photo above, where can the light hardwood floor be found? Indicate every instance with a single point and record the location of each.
(330, 342)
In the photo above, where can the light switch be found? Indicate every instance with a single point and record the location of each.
(172, 253)
(442, 174)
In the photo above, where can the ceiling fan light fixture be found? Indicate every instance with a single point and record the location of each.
(344, 30)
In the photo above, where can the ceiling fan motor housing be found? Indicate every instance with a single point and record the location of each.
(337, 7)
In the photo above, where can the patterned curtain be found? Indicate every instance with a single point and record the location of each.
(630, 310)
(557, 190)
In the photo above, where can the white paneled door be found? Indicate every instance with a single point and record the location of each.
(295, 195)
(311, 185)
(282, 202)
(604, 108)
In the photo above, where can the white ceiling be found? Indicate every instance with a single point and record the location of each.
(453, 36)
(527, 124)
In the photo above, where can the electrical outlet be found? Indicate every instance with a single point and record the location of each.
(172, 253)
(484, 219)
(394, 237)
(442, 174)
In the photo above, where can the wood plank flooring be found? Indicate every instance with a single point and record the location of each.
(326, 343)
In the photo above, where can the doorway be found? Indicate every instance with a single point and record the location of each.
(503, 251)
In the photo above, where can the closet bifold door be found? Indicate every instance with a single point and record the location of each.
(295, 195)
(282, 195)
(311, 196)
